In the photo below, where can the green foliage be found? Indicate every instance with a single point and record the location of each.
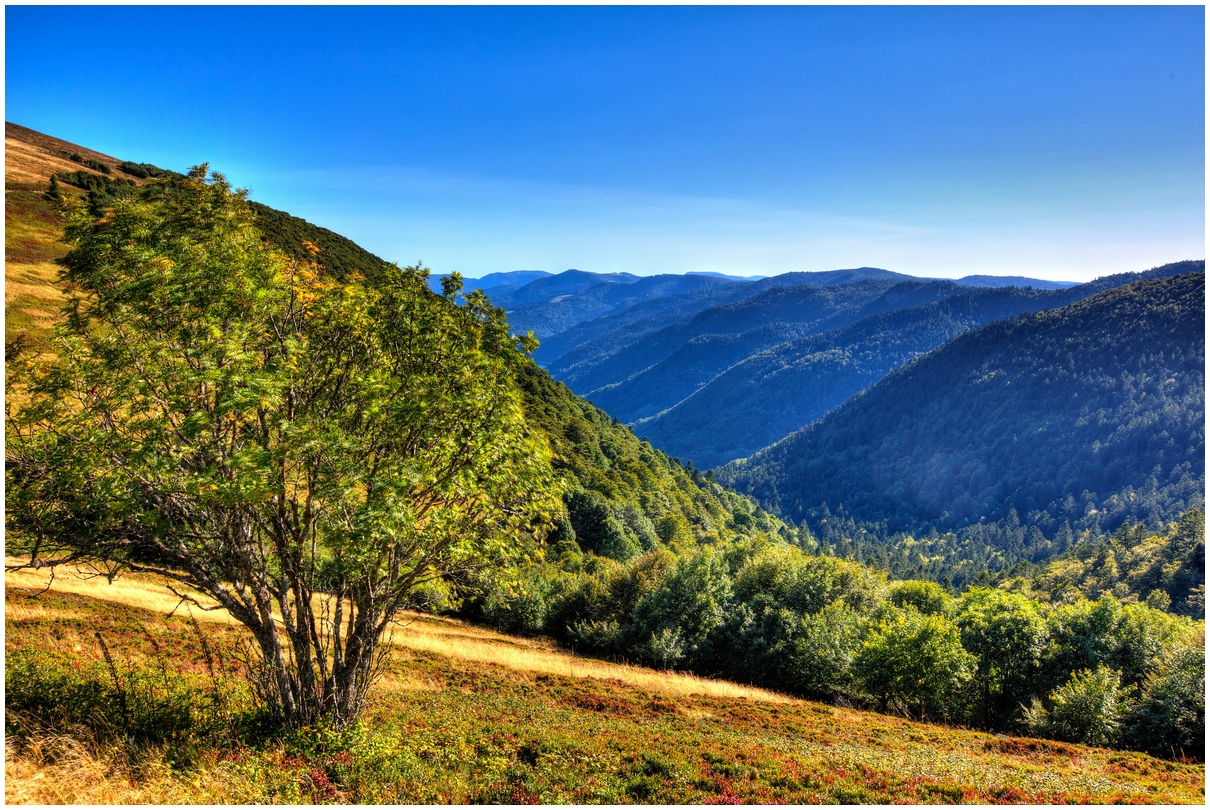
(1130, 639)
(227, 417)
(927, 597)
(913, 660)
(114, 699)
(761, 611)
(1167, 570)
(618, 489)
(101, 190)
(1006, 634)
(519, 607)
(89, 162)
(1169, 719)
(684, 611)
(1087, 709)
(147, 170)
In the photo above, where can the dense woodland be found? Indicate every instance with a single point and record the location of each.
(770, 394)
(1165, 569)
(1083, 417)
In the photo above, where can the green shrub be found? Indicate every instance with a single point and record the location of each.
(89, 162)
(913, 660)
(1087, 709)
(927, 597)
(1169, 719)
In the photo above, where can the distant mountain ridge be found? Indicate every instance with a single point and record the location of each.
(1092, 413)
(1014, 281)
(770, 393)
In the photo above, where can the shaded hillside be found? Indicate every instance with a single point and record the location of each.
(772, 393)
(609, 333)
(791, 312)
(1092, 413)
(819, 307)
(595, 340)
(599, 345)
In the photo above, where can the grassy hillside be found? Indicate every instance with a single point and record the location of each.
(1091, 414)
(33, 227)
(466, 715)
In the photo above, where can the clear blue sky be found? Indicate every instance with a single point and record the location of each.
(1051, 142)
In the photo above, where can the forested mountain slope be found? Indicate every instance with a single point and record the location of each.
(772, 393)
(1167, 569)
(1014, 281)
(340, 256)
(819, 307)
(624, 497)
(612, 332)
(799, 312)
(1092, 414)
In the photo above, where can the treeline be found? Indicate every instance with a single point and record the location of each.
(758, 610)
(1167, 570)
(988, 551)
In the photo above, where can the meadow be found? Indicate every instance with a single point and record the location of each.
(110, 700)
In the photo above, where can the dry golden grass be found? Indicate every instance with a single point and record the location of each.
(31, 157)
(445, 637)
(60, 769)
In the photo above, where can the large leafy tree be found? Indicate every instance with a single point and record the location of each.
(308, 454)
(1006, 634)
(913, 660)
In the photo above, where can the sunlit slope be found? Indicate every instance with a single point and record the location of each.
(467, 715)
(32, 227)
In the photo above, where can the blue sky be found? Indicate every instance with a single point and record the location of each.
(1059, 143)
